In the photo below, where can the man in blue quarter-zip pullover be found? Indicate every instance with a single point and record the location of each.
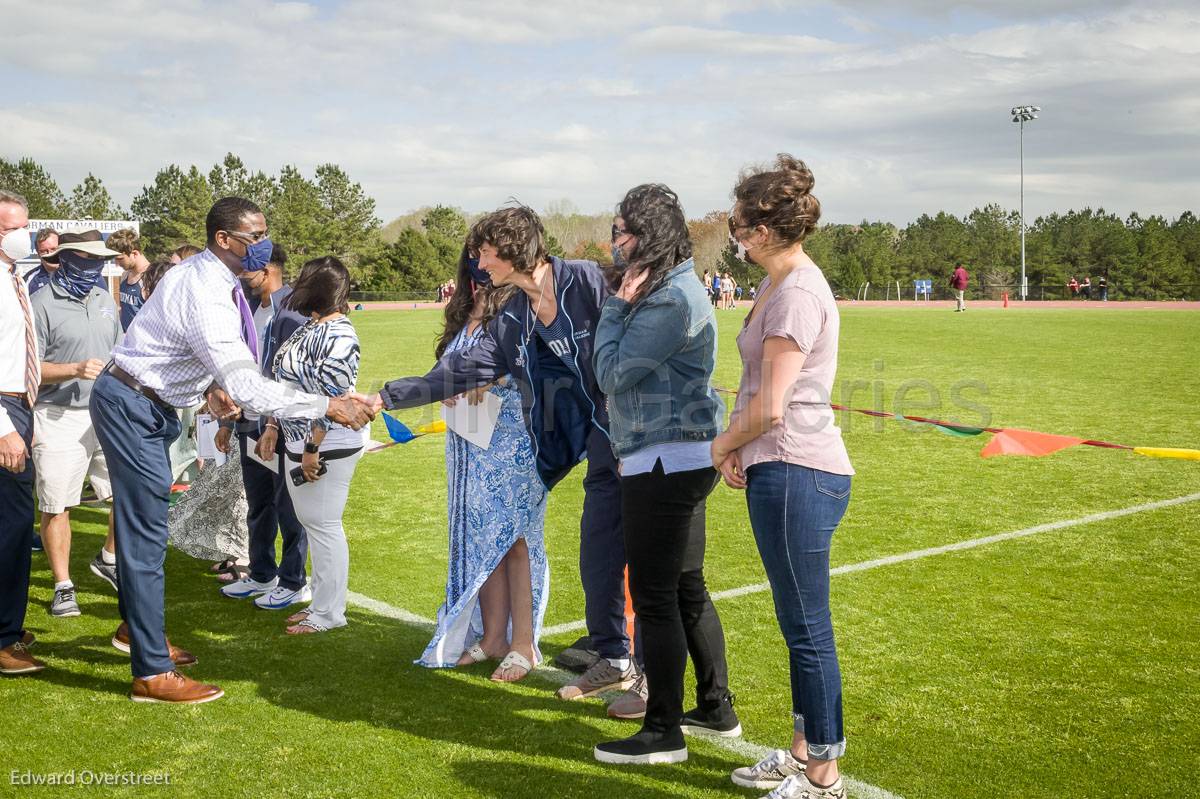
(542, 339)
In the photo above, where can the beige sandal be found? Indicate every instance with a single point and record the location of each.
(476, 654)
(296, 618)
(513, 660)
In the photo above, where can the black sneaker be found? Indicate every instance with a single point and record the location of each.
(105, 571)
(578, 657)
(646, 747)
(720, 720)
(36, 545)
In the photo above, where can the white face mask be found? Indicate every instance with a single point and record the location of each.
(15, 244)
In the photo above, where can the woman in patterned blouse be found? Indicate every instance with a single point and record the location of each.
(321, 358)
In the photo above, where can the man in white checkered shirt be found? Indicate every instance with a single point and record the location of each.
(194, 338)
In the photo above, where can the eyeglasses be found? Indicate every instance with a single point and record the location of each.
(253, 238)
(734, 227)
(618, 233)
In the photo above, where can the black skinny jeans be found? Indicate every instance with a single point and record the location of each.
(663, 515)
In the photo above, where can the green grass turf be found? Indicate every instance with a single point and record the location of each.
(1065, 664)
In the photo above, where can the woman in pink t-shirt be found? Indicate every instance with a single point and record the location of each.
(784, 447)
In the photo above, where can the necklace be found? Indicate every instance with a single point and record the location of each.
(538, 310)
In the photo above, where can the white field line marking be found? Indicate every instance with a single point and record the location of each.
(917, 554)
(752, 752)
(384, 609)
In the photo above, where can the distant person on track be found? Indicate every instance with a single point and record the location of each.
(958, 282)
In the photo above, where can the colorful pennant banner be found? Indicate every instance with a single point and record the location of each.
(1013, 441)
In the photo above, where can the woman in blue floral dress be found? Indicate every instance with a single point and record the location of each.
(498, 581)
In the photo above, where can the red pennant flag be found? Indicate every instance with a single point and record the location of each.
(1027, 442)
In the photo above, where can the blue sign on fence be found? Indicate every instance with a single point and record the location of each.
(923, 288)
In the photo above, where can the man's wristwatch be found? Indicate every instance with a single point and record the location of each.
(310, 448)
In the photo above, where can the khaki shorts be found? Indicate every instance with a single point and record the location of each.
(65, 451)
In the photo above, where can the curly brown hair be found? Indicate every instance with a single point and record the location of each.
(516, 233)
(779, 198)
(124, 241)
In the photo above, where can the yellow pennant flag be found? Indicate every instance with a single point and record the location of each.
(1169, 452)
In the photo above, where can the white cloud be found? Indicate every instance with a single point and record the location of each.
(689, 39)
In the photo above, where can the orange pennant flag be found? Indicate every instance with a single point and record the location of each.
(1027, 442)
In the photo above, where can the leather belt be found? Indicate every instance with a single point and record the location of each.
(18, 395)
(133, 383)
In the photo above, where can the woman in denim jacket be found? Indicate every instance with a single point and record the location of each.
(654, 355)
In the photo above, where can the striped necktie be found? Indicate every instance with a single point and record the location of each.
(33, 367)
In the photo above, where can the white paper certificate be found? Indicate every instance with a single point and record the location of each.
(252, 454)
(206, 439)
(475, 423)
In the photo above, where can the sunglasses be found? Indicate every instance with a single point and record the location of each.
(619, 232)
(253, 238)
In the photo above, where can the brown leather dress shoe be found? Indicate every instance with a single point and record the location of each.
(180, 657)
(173, 688)
(15, 659)
(27, 638)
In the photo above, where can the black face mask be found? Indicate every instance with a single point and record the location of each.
(480, 276)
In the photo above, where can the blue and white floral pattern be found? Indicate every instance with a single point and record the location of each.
(495, 497)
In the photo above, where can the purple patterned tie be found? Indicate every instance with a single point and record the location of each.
(249, 334)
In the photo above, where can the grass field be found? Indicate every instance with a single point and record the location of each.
(1062, 664)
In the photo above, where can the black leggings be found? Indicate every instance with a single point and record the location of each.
(663, 517)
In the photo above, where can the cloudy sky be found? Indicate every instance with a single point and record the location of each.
(899, 107)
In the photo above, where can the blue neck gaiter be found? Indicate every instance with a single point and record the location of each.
(76, 275)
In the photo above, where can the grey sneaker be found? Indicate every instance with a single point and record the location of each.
(632, 703)
(602, 676)
(770, 772)
(64, 603)
(106, 572)
(797, 786)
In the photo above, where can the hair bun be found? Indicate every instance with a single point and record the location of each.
(799, 178)
(780, 198)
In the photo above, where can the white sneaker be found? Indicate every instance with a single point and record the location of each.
(797, 786)
(770, 772)
(280, 598)
(246, 587)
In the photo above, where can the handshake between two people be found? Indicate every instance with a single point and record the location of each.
(353, 409)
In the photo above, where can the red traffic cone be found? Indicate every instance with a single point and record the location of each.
(1005, 296)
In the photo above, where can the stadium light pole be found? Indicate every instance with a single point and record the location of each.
(1022, 114)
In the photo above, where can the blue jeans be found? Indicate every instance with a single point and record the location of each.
(136, 434)
(794, 511)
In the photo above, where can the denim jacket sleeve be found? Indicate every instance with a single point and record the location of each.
(456, 372)
(628, 349)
